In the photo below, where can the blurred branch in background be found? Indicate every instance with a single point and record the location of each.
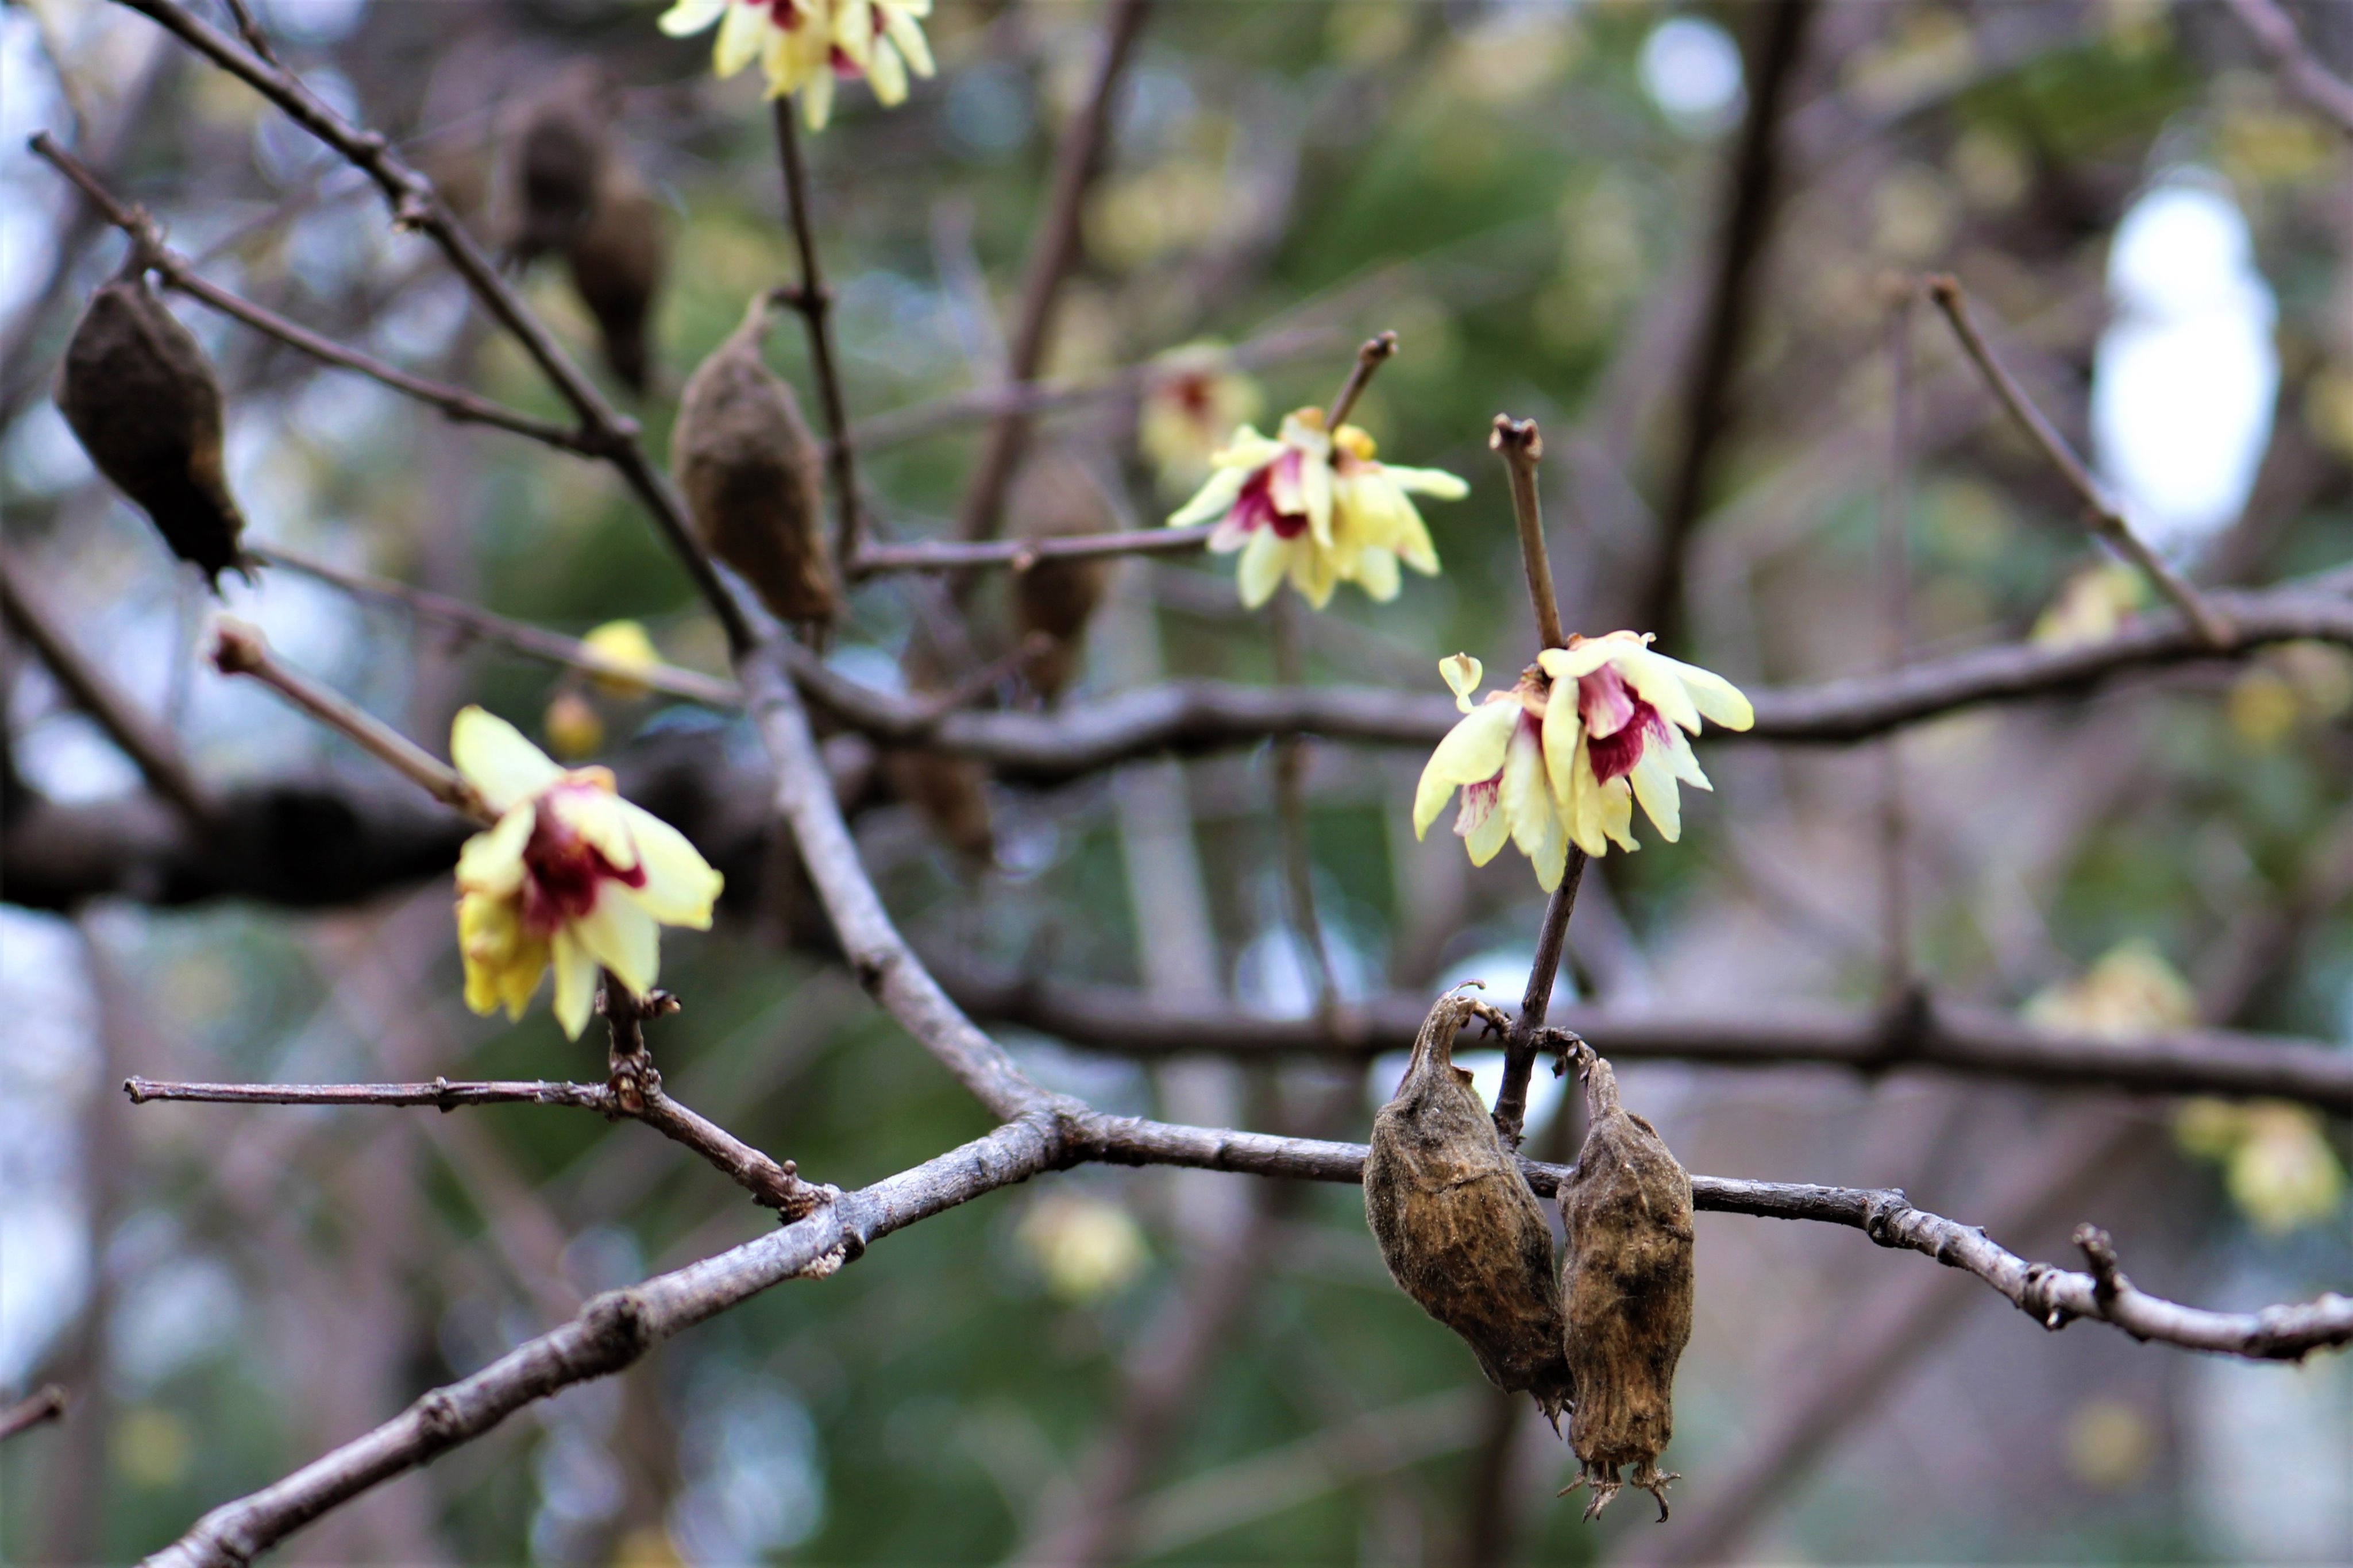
(2314, 82)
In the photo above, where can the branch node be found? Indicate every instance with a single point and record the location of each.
(619, 1328)
(2108, 1280)
(1883, 1213)
(439, 1420)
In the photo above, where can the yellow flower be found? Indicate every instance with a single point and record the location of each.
(1561, 758)
(623, 642)
(1186, 413)
(2276, 1163)
(572, 875)
(1317, 509)
(803, 45)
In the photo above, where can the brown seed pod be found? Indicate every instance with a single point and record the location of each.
(1626, 1293)
(1055, 497)
(1458, 1225)
(142, 400)
(557, 152)
(749, 468)
(617, 260)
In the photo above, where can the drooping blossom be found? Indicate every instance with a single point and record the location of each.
(803, 45)
(1317, 509)
(1562, 757)
(572, 875)
(1187, 412)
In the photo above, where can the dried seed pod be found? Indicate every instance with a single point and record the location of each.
(1055, 497)
(617, 260)
(1626, 1293)
(558, 152)
(950, 792)
(749, 468)
(1459, 1228)
(142, 400)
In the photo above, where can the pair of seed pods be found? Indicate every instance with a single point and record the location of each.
(1463, 1235)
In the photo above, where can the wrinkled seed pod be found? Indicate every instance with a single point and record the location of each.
(617, 260)
(558, 152)
(1626, 1290)
(748, 465)
(142, 400)
(1055, 497)
(1459, 1228)
(950, 792)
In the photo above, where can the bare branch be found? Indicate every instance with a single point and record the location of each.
(1052, 255)
(1978, 1042)
(240, 649)
(1521, 1043)
(1373, 353)
(2099, 510)
(47, 1405)
(2274, 31)
(416, 205)
(1020, 554)
(519, 635)
(774, 1184)
(151, 747)
(179, 272)
(1522, 447)
(814, 301)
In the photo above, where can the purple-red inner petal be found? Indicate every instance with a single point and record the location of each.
(561, 873)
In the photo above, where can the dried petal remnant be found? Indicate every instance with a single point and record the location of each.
(1459, 1229)
(748, 465)
(1626, 1293)
(144, 404)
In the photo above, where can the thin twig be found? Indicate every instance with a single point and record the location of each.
(1895, 635)
(2100, 512)
(814, 301)
(240, 649)
(179, 272)
(1077, 155)
(1947, 1038)
(1521, 445)
(519, 635)
(774, 1183)
(250, 31)
(152, 748)
(1522, 1041)
(47, 1405)
(2275, 32)
(1373, 353)
(1290, 816)
(1021, 554)
(416, 205)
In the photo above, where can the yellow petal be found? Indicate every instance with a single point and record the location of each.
(1213, 500)
(1656, 681)
(576, 982)
(600, 818)
(1576, 663)
(1463, 673)
(900, 20)
(1523, 800)
(1562, 734)
(688, 18)
(1551, 857)
(740, 38)
(1263, 562)
(1377, 573)
(1584, 811)
(1489, 837)
(1315, 494)
(492, 755)
(1718, 700)
(1685, 765)
(1427, 481)
(1470, 753)
(886, 73)
(1617, 799)
(618, 933)
(491, 863)
(1313, 572)
(1653, 779)
(680, 886)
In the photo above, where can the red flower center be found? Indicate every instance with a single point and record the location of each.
(1604, 699)
(562, 871)
(1255, 507)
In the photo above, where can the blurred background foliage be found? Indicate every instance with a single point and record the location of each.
(1531, 194)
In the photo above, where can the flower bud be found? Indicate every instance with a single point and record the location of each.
(1459, 1228)
(623, 642)
(1626, 1293)
(1056, 498)
(749, 469)
(143, 402)
(573, 728)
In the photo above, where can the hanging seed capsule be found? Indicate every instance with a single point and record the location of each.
(143, 402)
(617, 260)
(748, 465)
(557, 152)
(1056, 498)
(1458, 1225)
(1626, 1290)
(950, 793)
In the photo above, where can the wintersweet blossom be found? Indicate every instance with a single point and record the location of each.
(1562, 757)
(572, 875)
(1184, 414)
(1316, 508)
(804, 45)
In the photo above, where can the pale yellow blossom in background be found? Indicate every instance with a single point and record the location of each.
(2276, 1162)
(1187, 412)
(1086, 1247)
(623, 642)
(1562, 757)
(571, 876)
(1315, 509)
